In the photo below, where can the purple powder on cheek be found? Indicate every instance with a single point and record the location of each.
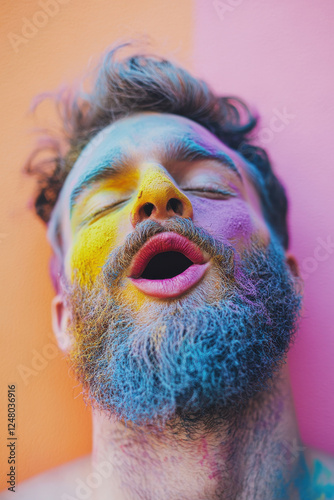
(227, 220)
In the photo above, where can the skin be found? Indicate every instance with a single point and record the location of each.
(232, 215)
(227, 205)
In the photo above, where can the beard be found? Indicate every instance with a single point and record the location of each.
(206, 353)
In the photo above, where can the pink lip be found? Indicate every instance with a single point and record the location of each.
(171, 287)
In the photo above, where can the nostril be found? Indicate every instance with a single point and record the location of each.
(175, 205)
(148, 209)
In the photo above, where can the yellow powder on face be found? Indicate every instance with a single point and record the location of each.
(93, 242)
(90, 251)
(132, 297)
(91, 247)
(157, 187)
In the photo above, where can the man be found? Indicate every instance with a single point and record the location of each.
(177, 297)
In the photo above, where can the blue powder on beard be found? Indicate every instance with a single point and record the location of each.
(208, 359)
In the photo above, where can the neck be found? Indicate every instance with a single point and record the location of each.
(257, 453)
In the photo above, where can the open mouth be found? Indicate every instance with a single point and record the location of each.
(167, 266)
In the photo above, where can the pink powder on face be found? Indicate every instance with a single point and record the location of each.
(207, 459)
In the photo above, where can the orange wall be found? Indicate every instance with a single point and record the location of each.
(52, 426)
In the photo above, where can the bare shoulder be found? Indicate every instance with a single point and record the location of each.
(59, 483)
(323, 460)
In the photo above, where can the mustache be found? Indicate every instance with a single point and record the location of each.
(120, 258)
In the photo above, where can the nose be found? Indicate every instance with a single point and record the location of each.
(159, 199)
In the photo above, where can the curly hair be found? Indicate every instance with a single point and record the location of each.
(136, 83)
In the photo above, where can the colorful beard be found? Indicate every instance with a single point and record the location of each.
(189, 361)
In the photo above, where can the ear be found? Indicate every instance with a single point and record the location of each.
(60, 319)
(293, 264)
(294, 268)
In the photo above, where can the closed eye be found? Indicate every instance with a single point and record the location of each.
(96, 215)
(219, 194)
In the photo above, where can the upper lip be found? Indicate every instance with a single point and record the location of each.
(164, 242)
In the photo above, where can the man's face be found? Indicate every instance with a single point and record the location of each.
(154, 166)
(169, 260)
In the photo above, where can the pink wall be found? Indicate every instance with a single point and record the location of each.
(279, 56)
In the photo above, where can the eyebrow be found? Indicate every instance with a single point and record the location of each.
(190, 149)
(107, 168)
(180, 149)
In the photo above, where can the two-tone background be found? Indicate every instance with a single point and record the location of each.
(276, 55)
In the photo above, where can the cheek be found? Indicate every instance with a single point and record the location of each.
(90, 249)
(230, 220)
(92, 245)
(89, 253)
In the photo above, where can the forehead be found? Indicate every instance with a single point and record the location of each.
(141, 137)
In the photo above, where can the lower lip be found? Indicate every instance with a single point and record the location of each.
(172, 287)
